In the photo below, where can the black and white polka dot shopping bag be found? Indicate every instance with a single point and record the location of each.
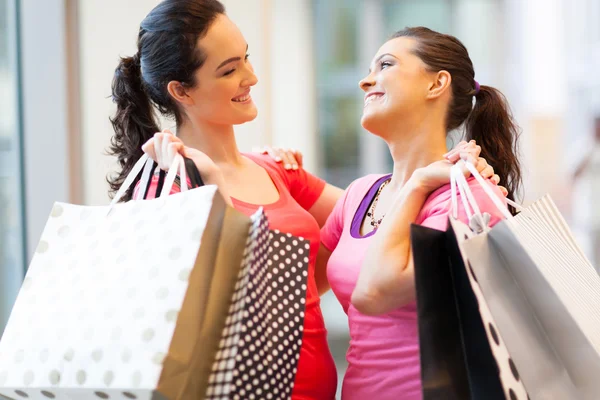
(537, 295)
(258, 354)
(137, 300)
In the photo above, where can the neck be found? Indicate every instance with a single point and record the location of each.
(216, 141)
(415, 147)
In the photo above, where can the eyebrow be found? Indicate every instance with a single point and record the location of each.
(230, 60)
(381, 56)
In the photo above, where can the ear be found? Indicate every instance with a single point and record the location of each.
(439, 85)
(178, 93)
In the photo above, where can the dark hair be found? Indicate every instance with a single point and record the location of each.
(166, 52)
(489, 121)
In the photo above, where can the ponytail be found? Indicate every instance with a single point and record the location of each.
(491, 125)
(134, 121)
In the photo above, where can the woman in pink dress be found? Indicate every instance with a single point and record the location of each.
(421, 85)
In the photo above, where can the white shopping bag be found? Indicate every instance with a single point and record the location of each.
(534, 284)
(125, 301)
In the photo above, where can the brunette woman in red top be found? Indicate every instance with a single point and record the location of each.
(192, 64)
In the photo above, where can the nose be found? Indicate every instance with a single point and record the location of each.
(366, 82)
(250, 79)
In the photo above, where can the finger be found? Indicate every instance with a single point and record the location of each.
(465, 171)
(171, 152)
(148, 148)
(158, 141)
(291, 156)
(456, 149)
(165, 149)
(299, 158)
(274, 153)
(487, 172)
(481, 164)
(503, 190)
(470, 146)
(162, 151)
(453, 156)
(463, 146)
(287, 161)
(469, 156)
(174, 138)
(495, 179)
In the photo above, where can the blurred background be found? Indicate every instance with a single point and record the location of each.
(57, 58)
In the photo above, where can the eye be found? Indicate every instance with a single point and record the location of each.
(247, 56)
(385, 64)
(231, 71)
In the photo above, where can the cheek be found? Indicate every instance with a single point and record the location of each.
(212, 99)
(396, 91)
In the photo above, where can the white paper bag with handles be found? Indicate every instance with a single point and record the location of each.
(116, 301)
(179, 297)
(535, 285)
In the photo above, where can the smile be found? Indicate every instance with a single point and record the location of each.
(372, 97)
(243, 98)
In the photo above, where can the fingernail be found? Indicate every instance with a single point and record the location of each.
(288, 166)
(295, 166)
(278, 159)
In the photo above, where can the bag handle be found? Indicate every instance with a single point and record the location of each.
(147, 175)
(149, 168)
(457, 178)
(145, 163)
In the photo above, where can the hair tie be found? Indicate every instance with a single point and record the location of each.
(476, 87)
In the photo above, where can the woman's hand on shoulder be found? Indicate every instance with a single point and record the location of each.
(290, 158)
(437, 174)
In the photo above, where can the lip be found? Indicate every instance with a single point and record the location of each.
(373, 94)
(370, 95)
(246, 93)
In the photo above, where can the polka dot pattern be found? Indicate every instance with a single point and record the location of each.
(107, 290)
(508, 374)
(260, 348)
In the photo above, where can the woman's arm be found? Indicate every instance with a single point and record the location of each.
(325, 203)
(321, 270)
(386, 279)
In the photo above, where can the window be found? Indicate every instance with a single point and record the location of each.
(12, 259)
(337, 73)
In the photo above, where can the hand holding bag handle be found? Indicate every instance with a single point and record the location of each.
(145, 163)
(457, 179)
(195, 180)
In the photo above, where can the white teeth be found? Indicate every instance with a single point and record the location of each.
(372, 98)
(242, 99)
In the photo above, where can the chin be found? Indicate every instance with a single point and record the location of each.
(249, 115)
(372, 123)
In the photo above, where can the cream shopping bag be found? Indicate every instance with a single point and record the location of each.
(126, 301)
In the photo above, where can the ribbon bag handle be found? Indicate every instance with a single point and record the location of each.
(145, 163)
(458, 180)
